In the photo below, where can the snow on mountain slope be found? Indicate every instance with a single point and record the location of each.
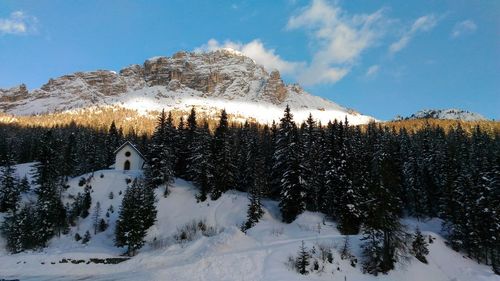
(448, 114)
(209, 81)
(228, 255)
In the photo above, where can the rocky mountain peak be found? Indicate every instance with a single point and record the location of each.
(210, 81)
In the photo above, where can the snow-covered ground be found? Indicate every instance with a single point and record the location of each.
(230, 254)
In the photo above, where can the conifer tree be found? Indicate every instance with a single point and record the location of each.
(51, 214)
(24, 184)
(20, 230)
(342, 194)
(159, 168)
(9, 187)
(287, 162)
(223, 168)
(191, 143)
(312, 163)
(201, 167)
(112, 142)
(181, 151)
(384, 235)
(69, 157)
(137, 214)
(419, 246)
(96, 216)
(302, 261)
(255, 211)
(86, 237)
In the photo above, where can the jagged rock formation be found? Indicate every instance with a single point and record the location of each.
(209, 81)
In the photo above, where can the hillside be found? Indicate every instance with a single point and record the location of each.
(414, 125)
(225, 253)
(447, 114)
(223, 79)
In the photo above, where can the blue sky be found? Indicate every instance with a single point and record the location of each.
(382, 58)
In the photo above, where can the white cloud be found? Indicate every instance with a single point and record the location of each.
(254, 49)
(462, 28)
(18, 22)
(372, 70)
(422, 24)
(339, 39)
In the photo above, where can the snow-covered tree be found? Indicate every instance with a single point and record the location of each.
(201, 166)
(288, 164)
(96, 217)
(159, 167)
(223, 168)
(51, 214)
(419, 246)
(9, 187)
(302, 261)
(137, 214)
(20, 230)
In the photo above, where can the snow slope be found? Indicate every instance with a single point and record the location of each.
(229, 255)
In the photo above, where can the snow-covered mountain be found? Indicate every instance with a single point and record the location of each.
(448, 114)
(208, 81)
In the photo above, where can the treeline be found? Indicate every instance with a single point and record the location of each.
(364, 177)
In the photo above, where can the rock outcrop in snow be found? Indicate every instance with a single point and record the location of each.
(448, 114)
(209, 81)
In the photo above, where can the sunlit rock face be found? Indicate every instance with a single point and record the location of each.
(208, 81)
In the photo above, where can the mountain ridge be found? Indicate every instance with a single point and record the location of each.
(207, 81)
(447, 114)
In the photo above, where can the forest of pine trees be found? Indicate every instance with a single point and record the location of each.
(364, 177)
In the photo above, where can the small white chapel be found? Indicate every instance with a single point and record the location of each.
(128, 157)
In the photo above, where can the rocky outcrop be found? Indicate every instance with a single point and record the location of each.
(104, 82)
(14, 94)
(275, 89)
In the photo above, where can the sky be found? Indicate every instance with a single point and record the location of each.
(382, 58)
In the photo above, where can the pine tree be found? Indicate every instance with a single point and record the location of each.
(255, 211)
(245, 156)
(191, 143)
(302, 261)
(181, 152)
(313, 168)
(86, 202)
(287, 162)
(373, 251)
(24, 185)
(86, 237)
(342, 194)
(384, 235)
(137, 214)
(51, 214)
(223, 168)
(102, 225)
(202, 167)
(20, 230)
(9, 188)
(70, 157)
(112, 141)
(419, 246)
(159, 168)
(96, 217)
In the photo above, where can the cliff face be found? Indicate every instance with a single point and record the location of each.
(221, 73)
(181, 81)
